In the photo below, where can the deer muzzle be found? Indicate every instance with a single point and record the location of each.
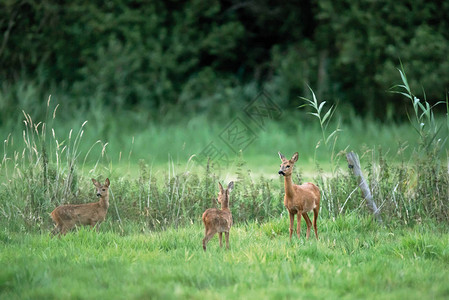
(281, 173)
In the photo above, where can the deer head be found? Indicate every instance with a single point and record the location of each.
(287, 165)
(223, 195)
(102, 190)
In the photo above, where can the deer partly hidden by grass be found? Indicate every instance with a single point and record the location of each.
(299, 199)
(68, 216)
(218, 220)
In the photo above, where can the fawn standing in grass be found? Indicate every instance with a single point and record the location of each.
(216, 220)
(299, 199)
(68, 216)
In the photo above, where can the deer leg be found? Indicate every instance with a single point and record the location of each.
(292, 218)
(315, 216)
(65, 227)
(220, 236)
(206, 239)
(56, 230)
(95, 226)
(298, 228)
(227, 239)
(308, 222)
(63, 230)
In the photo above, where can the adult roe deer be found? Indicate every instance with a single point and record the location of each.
(218, 220)
(68, 216)
(299, 199)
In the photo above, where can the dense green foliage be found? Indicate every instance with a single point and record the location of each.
(153, 56)
(354, 259)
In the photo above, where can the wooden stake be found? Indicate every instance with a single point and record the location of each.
(354, 165)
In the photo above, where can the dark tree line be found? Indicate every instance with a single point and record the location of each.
(194, 55)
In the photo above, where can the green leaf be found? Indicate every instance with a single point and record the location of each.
(402, 93)
(404, 80)
(447, 111)
(332, 134)
(433, 137)
(315, 101)
(314, 114)
(321, 106)
(329, 113)
(310, 102)
(421, 106)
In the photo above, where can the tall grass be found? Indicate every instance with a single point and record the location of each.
(329, 139)
(43, 174)
(51, 164)
(408, 191)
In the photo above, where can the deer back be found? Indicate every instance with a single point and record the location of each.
(217, 219)
(305, 197)
(80, 214)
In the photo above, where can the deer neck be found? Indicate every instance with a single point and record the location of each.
(288, 184)
(104, 201)
(225, 205)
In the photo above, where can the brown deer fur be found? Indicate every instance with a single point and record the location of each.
(218, 220)
(299, 199)
(68, 216)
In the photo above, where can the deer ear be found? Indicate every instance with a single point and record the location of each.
(230, 186)
(295, 157)
(95, 182)
(282, 157)
(221, 187)
(107, 183)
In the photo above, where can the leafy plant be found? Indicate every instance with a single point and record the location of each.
(424, 121)
(324, 118)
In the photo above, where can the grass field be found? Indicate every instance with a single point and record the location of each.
(354, 259)
(150, 245)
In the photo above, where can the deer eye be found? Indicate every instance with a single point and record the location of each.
(103, 190)
(288, 166)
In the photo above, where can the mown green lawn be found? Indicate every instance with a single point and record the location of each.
(354, 259)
